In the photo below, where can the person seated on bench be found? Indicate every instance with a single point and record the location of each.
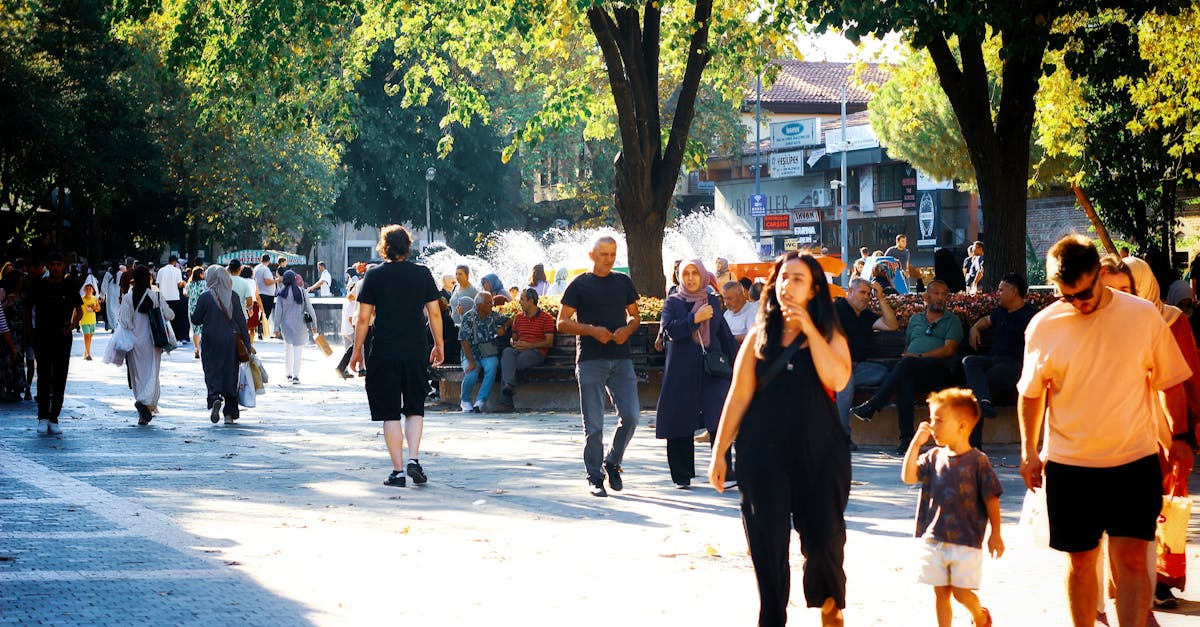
(480, 356)
(859, 323)
(927, 364)
(532, 337)
(1000, 369)
(739, 314)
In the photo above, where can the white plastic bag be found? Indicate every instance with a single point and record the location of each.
(246, 396)
(122, 340)
(112, 355)
(1034, 522)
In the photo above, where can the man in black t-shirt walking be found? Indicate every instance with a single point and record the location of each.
(601, 308)
(401, 297)
(55, 309)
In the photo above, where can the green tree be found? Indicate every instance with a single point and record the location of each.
(642, 53)
(998, 144)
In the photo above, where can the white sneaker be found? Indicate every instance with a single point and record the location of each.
(54, 428)
(466, 406)
(43, 426)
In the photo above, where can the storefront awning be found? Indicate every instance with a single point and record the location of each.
(854, 158)
(252, 256)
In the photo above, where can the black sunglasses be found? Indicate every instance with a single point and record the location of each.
(929, 329)
(1081, 294)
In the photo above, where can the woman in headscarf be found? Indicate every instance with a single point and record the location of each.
(1184, 400)
(560, 283)
(723, 274)
(110, 296)
(145, 358)
(219, 316)
(491, 284)
(291, 308)
(691, 398)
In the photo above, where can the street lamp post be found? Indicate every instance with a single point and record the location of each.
(429, 174)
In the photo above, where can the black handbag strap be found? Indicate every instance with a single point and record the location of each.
(778, 365)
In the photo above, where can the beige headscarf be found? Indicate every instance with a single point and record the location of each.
(1147, 288)
(221, 285)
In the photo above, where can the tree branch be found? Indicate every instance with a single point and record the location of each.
(685, 109)
(642, 91)
(606, 37)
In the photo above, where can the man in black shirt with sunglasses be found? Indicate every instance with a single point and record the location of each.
(931, 352)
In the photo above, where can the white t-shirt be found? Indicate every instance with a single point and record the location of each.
(168, 281)
(741, 322)
(326, 281)
(262, 272)
(244, 289)
(1101, 374)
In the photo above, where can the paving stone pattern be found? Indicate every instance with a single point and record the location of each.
(282, 520)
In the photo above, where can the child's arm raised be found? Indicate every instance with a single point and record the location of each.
(995, 542)
(909, 472)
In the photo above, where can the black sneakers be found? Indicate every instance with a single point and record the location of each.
(1164, 598)
(215, 414)
(144, 415)
(596, 488)
(396, 479)
(986, 409)
(417, 473)
(614, 477)
(863, 412)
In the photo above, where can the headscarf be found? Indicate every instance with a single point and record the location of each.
(220, 285)
(699, 298)
(560, 276)
(1147, 288)
(291, 282)
(494, 286)
(1179, 292)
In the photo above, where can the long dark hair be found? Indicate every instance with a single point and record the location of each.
(537, 275)
(141, 283)
(770, 312)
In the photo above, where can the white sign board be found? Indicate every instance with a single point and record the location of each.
(806, 216)
(860, 138)
(796, 133)
(787, 164)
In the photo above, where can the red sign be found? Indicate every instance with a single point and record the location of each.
(777, 222)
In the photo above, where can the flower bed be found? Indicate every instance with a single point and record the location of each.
(649, 307)
(969, 308)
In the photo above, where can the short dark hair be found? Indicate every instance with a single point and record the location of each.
(1017, 281)
(900, 237)
(395, 242)
(266, 258)
(746, 283)
(172, 258)
(321, 263)
(281, 259)
(464, 267)
(1070, 258)
(531, 294)
(234, 266)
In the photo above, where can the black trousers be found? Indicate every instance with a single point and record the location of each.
(53, 357)
(268, 306)
(180, 324)
(350, 349)
(681, 458)
(781, 490)
(908, 377)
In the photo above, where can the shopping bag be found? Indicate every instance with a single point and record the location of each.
(256, 375)
(246, 396)
(1034, 522)
(323, 344)
(122, 340)
(259, 374)
(1171, 540)
(113, 355)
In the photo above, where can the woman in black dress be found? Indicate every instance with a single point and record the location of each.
(793, 456)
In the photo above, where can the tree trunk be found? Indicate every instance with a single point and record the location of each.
(1003, 201)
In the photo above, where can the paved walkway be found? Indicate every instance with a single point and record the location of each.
(283, 520)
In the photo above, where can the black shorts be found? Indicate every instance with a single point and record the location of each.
(1082, 503)
(397, 384)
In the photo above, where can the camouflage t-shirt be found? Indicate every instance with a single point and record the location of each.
(954, 492)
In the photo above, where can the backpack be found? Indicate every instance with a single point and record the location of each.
(335, 288)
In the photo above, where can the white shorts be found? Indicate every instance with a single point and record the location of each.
(947, 564)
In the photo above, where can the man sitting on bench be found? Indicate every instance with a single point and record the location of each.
(932, 340)
(1000, 369)
(532, 337)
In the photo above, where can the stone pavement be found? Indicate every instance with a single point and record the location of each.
(282, 520)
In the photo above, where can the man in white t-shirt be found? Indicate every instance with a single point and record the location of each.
(324, 280)
(170, 280)
(264, 282)
(1097, 366)
(739, 311)
(242, 287)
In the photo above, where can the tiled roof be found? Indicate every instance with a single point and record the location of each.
(858, 118)
(809, 82)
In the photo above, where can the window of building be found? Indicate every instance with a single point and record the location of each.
(852, 195)
(891, 183)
